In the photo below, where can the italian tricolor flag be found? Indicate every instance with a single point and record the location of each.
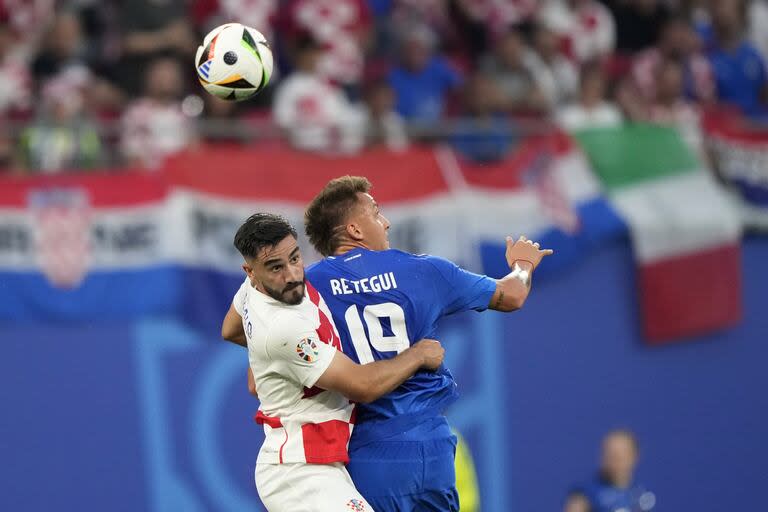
(684, 232)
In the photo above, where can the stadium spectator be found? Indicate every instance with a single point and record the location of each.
(313, 112)
(62, 137)
(422, 81)
(671, 107)
(438, 15)
(65, 48)
(615, 487)
(576, 501)
(28, 20)
(555, 75)
(218, 118)
(342, 28)
(499, 15)
(152, 29)
(586, 27)
(592, 110)
(259, 14)
(483, 134)
(154, 126)
(738, 67)
(638, 23)
(513, 67)
(384, 126)
(677, 41)
(15, 79)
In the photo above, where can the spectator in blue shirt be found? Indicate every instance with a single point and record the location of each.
(738, 67)
(615, 488)
(483, 134)
(422, 80)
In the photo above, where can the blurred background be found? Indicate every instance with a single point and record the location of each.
(628, 135)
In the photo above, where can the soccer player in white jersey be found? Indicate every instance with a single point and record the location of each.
(305, 383)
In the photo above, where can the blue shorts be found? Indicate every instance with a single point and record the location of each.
(411, 471)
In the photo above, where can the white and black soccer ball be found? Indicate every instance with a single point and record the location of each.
(234, 62)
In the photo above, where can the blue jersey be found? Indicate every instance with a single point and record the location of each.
(382, 302)
(604, 497)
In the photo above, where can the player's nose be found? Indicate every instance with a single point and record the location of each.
(295, 274)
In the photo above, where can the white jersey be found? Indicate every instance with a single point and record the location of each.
(289, 348)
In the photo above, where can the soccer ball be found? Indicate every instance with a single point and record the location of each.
(234, 62)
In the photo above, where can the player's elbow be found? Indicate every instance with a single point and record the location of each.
(516, 302)
(361, 395)
(227, 332)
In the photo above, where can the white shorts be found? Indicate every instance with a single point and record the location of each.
(308, 488)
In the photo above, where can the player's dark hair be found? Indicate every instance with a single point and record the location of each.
(261, 230)
(329, 209)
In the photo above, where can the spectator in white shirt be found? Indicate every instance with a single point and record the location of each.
(512, 67)
(154, 126)
(592, 110)
(314, 113)
(15, 79)
(556, 76)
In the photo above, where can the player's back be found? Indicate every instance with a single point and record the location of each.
(289, 347)
(382, 301)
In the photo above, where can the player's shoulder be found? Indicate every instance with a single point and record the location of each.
(422, 259)
(288, 322)
(399, 256)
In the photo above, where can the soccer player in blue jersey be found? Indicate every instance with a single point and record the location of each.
(402, 450)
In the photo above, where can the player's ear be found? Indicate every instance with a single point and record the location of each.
(354, 232)
(248, 271)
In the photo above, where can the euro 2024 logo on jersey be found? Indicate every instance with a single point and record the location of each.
(62, 232)
(356, 505)
(307, 350)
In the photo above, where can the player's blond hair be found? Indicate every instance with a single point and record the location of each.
(329, 209)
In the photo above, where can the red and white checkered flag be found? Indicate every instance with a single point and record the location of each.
(62, 234)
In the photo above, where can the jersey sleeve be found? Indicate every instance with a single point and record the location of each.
(239, 300)
(297, 349)
(458, 289)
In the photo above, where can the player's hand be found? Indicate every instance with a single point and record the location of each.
(523, 249)
(431, 352)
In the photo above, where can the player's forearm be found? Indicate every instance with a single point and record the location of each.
(381, 377)
(512, 290)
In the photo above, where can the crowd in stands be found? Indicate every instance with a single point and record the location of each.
(95, 83)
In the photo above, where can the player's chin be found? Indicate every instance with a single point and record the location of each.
(294, 296)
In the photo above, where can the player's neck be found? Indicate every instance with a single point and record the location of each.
(349, 245)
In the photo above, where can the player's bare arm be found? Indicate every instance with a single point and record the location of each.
(523, 256)
(232, 327)
(366, 383)
(252, 383)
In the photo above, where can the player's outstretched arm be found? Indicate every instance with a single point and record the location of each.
(523, 256)
(232, 327)
(368, 382)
